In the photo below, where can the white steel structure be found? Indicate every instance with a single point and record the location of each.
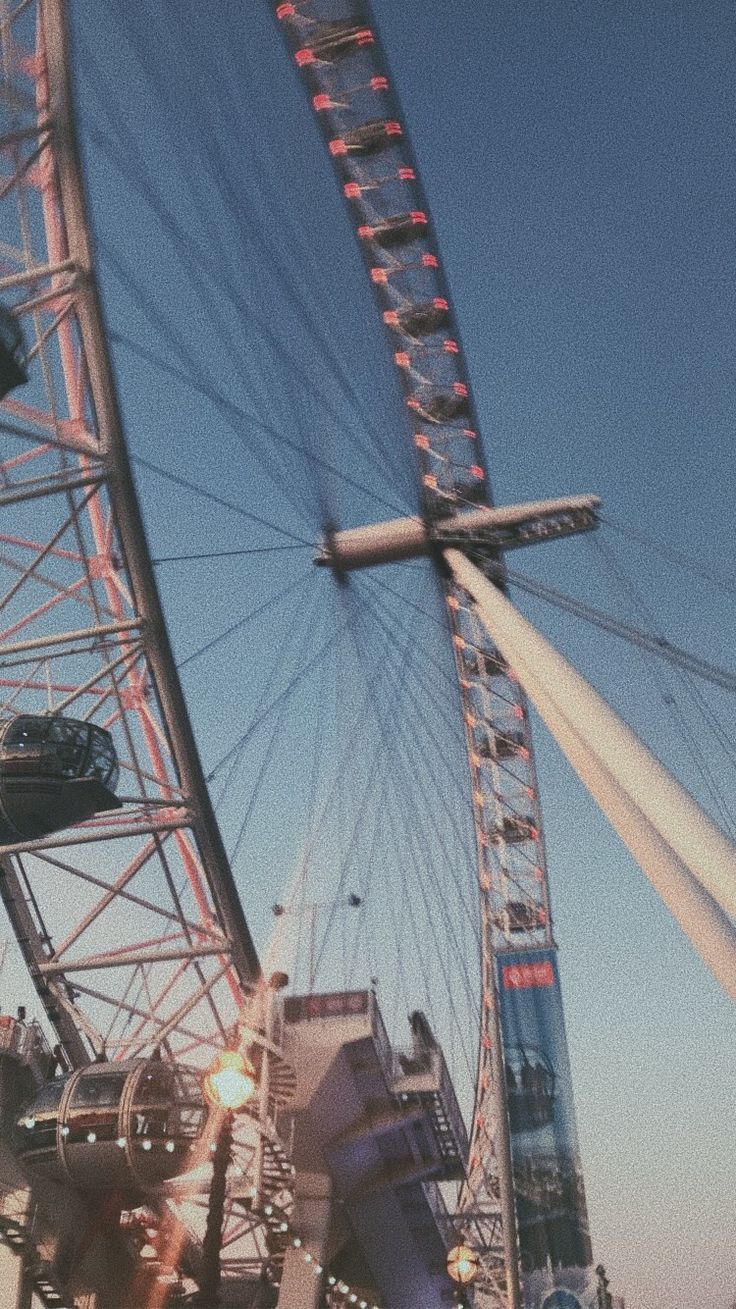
(130, 924)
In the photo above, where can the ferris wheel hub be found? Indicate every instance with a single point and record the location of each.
(502, 528)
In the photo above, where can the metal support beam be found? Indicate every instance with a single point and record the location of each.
(689, 861)
(64, 966)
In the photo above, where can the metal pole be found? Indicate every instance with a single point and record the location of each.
(209, 1278)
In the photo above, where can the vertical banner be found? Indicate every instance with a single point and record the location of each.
(551, 1214)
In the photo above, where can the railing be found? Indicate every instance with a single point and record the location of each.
(425, 1072)
(27, 1043)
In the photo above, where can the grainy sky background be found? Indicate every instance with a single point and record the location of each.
(579, 161)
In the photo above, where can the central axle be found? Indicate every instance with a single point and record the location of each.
(504, 528)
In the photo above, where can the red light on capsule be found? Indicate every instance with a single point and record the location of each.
(337, 147)
(460, 388)
(451, 347)
(390, 317)
(439, 303)
(285, 11)
(406, 175)
(320, 102)
(477, 471)
(352, 190)
(379, 276)
(304, 57)
(422, 442)
(393, 129)
(379, 84)
(430, 261)
(402, 359)
(365, 232)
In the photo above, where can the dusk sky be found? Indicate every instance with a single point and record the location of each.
(580, 166)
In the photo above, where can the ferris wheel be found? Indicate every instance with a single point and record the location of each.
(130, 917)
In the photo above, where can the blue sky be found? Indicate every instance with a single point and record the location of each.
(579, 165)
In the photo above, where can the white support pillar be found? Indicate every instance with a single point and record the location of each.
(301, 1285)
(687, 858)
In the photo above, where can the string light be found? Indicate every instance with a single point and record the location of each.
(349, 1295)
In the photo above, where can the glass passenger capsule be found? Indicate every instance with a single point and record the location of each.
(441, 408)
(54, 772)
(13, 370)
(333, 41)
(128, 1125)
(399, 229)
(520, 916)
(514, 829)
(419, 320)
(368, 139)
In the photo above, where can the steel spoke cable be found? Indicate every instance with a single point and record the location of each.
(683, 674)
(700, 759)
(352, 617)
(444, 934)
(270, 454)
(233, 412)
(372, 778)
(413, 775)
(335, 636)
(657, 645)
(403, 790)
(415, 800)
(226, 554)
(296, 583)
(441, 670)
(683, 561)
(293, 639)
(351, 730)
(297, 290)
(335, 791)
(419, 703)
(187, 485)
(183, 240)
(422, 862)
(274, 675)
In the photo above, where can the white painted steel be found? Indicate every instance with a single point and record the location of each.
(408, 538)
(689, 860)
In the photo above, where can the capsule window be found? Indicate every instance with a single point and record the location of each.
(38, 1124)
(102, 760)
(102, 1089)
(26, 731)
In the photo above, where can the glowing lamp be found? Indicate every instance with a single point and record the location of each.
(230, 1081)
(463, 1264)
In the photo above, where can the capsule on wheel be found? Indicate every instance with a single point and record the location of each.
(13, 370)
(54, 772)
(441, 408)
(368, 139)
(520, 916)
(127, 1125)
(399, 229)
(515, 828)
(333, 41)
(419, 320)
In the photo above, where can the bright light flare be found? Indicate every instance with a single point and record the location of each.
(463, 1264)
(230, 1081)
